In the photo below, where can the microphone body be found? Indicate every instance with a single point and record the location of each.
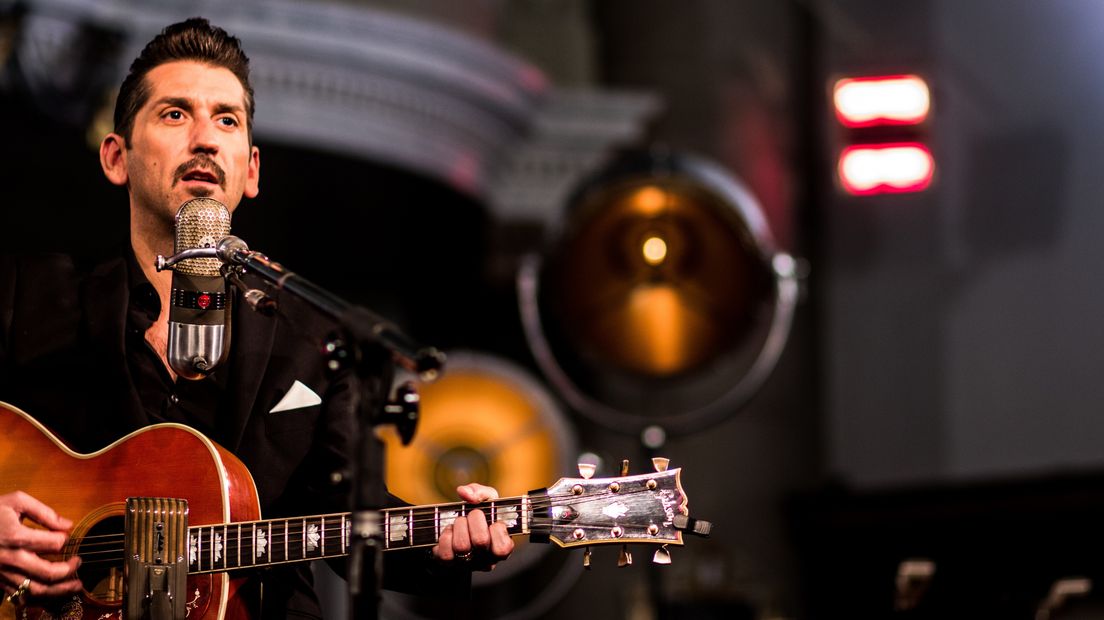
(199, 324)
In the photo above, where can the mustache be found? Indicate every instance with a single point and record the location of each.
(204, 162)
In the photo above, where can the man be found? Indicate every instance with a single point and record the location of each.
(88, 357)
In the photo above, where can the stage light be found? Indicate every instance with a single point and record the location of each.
(659, 301)
(489, 421)
(886, 168)
(881, 100)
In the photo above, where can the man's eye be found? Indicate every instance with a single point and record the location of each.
(229, 121)
(174, 115)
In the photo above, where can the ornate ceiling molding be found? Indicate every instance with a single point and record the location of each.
(349, 79)
(362, 82)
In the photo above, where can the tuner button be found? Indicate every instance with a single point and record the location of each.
(578, 534)
(662, 556)
(586, 558)
(653, 529)
(615, 486)
(617, 532)
(577, 489)
(625, 467)
(625, 558)
(586, 470)
(661, 463)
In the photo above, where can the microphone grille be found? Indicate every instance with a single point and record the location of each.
(200, 223)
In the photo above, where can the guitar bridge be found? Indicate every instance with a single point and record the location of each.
(156, 560)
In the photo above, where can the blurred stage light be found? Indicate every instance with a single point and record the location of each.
(886, 168)
(660, 299)
(881, 100)
(485, 420)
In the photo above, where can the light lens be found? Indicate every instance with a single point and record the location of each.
(654, 250)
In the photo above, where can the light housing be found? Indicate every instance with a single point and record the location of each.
(661, 298)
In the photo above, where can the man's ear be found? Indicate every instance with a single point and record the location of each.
(253, 174)
(113, 158)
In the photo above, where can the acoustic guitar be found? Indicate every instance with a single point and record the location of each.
(166, 517)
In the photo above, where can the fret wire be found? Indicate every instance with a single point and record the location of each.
(225, 546)
(410, 528)
(323, 536)
(344, 543)
(253, 545)
(524, 514)
(493, 516)
(211, 545)
(303, 542)
(270, 545)
(239, 544)
(287, 525)
(436, 523)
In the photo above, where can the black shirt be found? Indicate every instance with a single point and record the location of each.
(184, 401)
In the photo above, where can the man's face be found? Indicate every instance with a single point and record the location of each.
(190, 139)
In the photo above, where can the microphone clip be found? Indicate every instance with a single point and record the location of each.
(258, 300)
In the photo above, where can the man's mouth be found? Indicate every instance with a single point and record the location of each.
(202, 169)
(200, 175)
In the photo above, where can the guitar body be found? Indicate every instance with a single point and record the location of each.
(165, 460)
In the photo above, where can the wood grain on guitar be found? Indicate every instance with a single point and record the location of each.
(225, 533)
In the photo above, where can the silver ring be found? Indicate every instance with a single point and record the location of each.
(464, 556)
(16, 598)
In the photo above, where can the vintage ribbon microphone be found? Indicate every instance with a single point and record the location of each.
(199, 327)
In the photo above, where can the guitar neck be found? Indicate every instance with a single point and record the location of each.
(250, 544)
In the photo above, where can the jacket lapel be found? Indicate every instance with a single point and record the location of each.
(251, 337)
(104, 296)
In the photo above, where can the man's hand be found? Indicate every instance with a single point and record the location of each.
(470, 539)
(21, 545)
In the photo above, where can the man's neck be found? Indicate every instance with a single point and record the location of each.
(146, 248)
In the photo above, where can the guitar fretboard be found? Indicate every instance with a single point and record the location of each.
(229, 546)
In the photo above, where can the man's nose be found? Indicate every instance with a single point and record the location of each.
(204, 137)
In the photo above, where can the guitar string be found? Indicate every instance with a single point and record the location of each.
(425, 515)
(114, 556)
(295, 538)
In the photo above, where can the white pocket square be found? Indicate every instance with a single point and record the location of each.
(297, 397)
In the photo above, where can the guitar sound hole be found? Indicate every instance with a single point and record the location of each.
(101, 552)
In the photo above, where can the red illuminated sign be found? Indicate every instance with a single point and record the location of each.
(881, 100)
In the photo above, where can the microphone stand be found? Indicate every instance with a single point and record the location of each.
(367, 344)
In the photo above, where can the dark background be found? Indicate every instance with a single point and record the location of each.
(939, 397)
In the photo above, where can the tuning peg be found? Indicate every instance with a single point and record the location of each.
(625, 467)
(662, 556)
(660, 463)
(625, 558)
(586, 470)
(586, 558)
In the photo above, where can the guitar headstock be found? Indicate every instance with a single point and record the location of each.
(643, 509)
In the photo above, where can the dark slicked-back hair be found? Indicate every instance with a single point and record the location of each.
(194, 39)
